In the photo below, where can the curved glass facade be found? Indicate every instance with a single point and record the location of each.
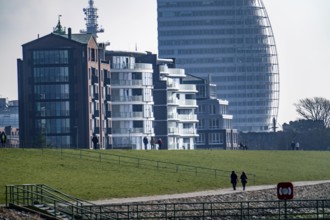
(231, 41)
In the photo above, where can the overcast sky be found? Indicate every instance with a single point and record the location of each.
(301, 29)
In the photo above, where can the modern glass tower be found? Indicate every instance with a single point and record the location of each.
(232, 41)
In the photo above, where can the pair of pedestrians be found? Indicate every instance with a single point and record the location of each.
(234, 179)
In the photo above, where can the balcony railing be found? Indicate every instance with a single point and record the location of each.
(138, 66)
(187, 117)
(126, 82)
(188, 88)
(127, 130)
(127, 114)
(135, 98)
(188, 102)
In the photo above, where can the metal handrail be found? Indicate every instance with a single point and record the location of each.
(276, 209)
(35, 194)
(157, 164)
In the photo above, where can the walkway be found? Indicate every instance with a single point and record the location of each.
(201, 193)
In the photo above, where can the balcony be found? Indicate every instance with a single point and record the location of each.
(172, 116)
(124, 115)
(187, 118)
(173, 101)
(187, 88)
(188, 103)
(172, 86)
(136, 66)
(127, 98)
(143, 66)
(163, 69)
(123, 83)
(127, 131)
(173, 131)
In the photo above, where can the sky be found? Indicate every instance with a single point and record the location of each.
(301, 29)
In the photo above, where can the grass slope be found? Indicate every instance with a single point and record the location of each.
(92, 179)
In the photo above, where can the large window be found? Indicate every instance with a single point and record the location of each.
(200, 139)
(53, 108)
(214, 124)
(51, 74)
(57, 91)
(54, 126)
(216, 138)
(41, 57)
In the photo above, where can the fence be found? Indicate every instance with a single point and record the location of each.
(290, 209)
(73, 208)
(104, 156)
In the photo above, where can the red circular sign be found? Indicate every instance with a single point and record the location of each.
(285, 190)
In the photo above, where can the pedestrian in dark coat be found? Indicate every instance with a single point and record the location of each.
(243, 180)
(145, 142)
(152, 143)
(95, 141)
(3, 138)
(233, 179)
(160, 143)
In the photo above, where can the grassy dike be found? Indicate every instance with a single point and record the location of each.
(92, 179)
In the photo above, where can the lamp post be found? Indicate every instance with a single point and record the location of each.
(129, 138)
(76, 129)
(45, 124)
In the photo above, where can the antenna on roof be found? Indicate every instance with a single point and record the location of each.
(91, 20)
(59, 29)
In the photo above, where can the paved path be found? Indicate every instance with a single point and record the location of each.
(201, 193)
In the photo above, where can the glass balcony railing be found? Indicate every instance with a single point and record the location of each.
(187, 117)
(134, 98)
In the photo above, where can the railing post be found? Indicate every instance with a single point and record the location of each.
(137, 211)
(127, 210)
(165, 211)
(241, 210)
(203, 210)
(212, 210)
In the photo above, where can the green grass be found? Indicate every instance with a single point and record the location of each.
(92, 180)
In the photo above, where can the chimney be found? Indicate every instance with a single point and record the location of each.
(69, 33)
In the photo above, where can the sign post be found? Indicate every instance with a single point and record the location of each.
(285, 192)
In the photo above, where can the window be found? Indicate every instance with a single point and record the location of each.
(137, 124)
(200, 124)
(200, 139)
(42, 57)
(214, 124)
(216, 138)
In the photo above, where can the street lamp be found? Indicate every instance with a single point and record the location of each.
(129, 138)
(45, 124)
(76, 128)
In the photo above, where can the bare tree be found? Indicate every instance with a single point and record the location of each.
(316, 108)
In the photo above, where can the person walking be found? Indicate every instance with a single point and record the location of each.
(160, 143)
(243, 178)
(152, 143)
(95, 141)
(233, 179)
(3, 138)
(145, 142)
